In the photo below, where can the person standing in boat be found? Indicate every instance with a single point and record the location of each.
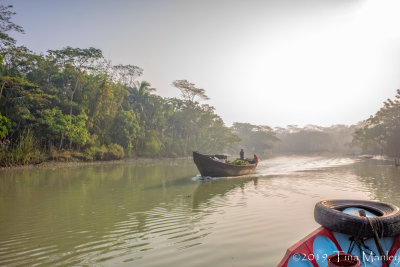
(241, 154)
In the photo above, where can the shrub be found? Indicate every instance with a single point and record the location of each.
(152, 147)
(26, 151)
(89, 153)
(111, 152)
(100, 153)
(65, 155)
(115, 151)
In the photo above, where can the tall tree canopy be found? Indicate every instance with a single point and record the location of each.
(6, 26)
(67, 101)
(381, 132)
(73, 100)
(256, 139)
(189, 91)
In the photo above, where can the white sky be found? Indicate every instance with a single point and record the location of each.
(275, 62)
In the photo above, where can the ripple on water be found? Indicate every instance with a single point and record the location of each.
(180, 220)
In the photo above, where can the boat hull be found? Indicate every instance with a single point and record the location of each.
(314, 249)
(212, 168)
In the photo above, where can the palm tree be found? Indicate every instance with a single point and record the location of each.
(143, 88)
(138, 93)
(144, 104)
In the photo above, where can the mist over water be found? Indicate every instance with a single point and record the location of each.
(158, 214)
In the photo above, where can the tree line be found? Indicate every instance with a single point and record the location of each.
(311, 139)
(73, 103)
(380, 133)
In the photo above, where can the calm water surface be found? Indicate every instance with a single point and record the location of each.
(162, 214)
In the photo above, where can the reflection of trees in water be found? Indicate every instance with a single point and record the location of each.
(127, 208)
(381, 178)
(210, 188)
(88, 203)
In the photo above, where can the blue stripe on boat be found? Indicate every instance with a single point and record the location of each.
(396, 260)
(322, 248)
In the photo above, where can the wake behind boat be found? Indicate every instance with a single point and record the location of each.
(216, 166)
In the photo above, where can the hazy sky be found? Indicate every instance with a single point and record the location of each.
(265, 62)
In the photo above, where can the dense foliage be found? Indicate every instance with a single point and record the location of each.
(380, 134)
(311, 139)
(255, 139)
(314, 139)
(73, 100)
(71, 103)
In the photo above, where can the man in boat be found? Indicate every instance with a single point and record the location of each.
(255, 159)
(241, 154)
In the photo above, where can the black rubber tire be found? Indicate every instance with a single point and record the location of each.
(328, 213)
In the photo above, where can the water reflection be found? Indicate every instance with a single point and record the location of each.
(208, 189)
(381, 178)
(156, 214)
(77, 212)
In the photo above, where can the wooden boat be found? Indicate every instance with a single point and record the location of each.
(366, 156)
(213, 168)
(360, 233)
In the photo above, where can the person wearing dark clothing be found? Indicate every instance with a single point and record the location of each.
(241, 154)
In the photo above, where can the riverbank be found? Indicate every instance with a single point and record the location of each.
(62, 164)
(58, 164)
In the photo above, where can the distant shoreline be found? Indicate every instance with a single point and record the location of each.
(59, 164)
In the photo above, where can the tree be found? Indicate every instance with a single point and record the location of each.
(104, 107)
(381, 132)
(20, 100)
(190, 127)
(59, 127)
(189, 91)
(17, 61)
(367, 139)
(70, 95)
(6, 25)
(314, 139)
(74, 62)
(143, 88)
(54, 124)
(126, 74)
(76, 130)
(255, 138)
(125, 129)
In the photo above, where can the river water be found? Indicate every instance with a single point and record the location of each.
(162, 214)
